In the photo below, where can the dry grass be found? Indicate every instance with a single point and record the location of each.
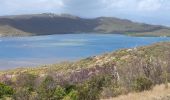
(158, 93)
(6, 30)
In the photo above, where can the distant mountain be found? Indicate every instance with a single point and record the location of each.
(48, 23)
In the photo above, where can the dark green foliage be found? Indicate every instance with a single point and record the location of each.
(91, 90)
(48, 90)
(69, 88)
(5, 90)
(142, 83)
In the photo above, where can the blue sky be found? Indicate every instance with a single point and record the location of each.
(148, 11)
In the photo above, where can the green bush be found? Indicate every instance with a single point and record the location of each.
(69, 88)
(92, 89)
(142, 83)
(5, 90)
(73, 95)
(59, 93)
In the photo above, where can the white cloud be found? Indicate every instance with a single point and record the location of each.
(119, 4)
(149, 5)
(86, 5)
(33, 3)
(135, 5)
(29, 6)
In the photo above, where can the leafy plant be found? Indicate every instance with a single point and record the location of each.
(73, 95)
(59, 93)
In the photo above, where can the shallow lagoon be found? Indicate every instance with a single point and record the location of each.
(37, 50)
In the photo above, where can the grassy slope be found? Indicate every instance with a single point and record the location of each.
(125, 65)
(113, 25)
(6, 30)
(157, 93)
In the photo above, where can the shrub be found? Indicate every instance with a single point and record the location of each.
(25, 80)
(5, 90)
(73, 95)
(59, 93)
(142, 83)
(92, 89)
(46, 88)
(22, 94)
(69, 88)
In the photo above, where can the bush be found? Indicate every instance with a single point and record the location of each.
(46, 89)
(92, 89)
(5, 90)
(73, 95)
(69, 88)
(27, 81)
(22, 94)
(59, 93)
(142, 83)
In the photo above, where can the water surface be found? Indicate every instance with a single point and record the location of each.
(37, 50)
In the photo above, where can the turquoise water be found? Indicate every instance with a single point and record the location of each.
(37, 50)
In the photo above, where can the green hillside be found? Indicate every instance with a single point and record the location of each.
(48, 24)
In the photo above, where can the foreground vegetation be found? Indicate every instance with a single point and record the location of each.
(93, 78)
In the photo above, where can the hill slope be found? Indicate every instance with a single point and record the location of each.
(107, 75)
(47, 24)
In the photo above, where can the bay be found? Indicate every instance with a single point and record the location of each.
(39, 50)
